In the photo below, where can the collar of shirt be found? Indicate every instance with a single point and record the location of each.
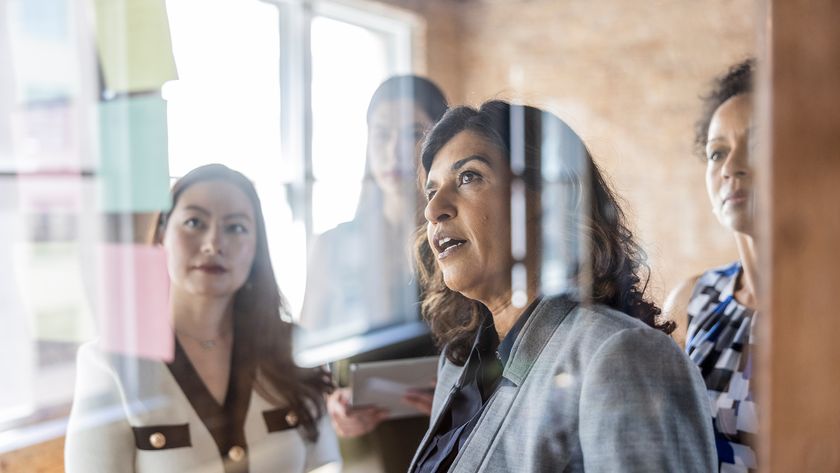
(503, 351)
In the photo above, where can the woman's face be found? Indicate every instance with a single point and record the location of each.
(729, 174)
(468, 214)
(394, 133)
(210, 240)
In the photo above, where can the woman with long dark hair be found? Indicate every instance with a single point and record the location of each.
(232, 399)
(360, 273)
(548, 364)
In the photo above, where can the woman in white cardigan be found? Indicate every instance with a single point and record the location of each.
(232, 400)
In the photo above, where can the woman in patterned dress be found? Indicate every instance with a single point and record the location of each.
(715, 311)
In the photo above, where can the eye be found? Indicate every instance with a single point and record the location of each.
(193, 222)
(237, 228)
(716, 155)
(429, 195)
(467, 177)
(381, 134)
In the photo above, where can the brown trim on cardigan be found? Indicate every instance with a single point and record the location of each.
(225, 422)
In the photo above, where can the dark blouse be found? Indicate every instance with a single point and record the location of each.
(482, 375)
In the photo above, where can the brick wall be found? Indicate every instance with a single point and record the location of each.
(626, 76)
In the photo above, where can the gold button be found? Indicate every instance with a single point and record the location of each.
(292, 418)
(158, 440)
(236, 453)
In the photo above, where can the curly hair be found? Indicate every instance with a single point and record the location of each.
(735, 81)
(615, 265)
(257, 307)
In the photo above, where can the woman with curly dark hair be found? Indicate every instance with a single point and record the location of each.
(545, 366)
(716, 310)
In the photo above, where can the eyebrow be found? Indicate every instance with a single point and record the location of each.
(460, 163)
(200, 209)
(197, 209)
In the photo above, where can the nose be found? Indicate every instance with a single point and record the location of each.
(213, 241)
(737, 163)
(390, 148)
(440, 208)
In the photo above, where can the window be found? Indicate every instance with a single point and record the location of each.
(256, 90)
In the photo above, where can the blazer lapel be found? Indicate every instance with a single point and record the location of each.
(547, 316)
(450, 375)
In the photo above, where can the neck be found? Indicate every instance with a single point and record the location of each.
(746, 291)
(505, 314)
(201, 317)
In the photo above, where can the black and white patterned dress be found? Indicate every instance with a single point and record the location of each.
(719, 340)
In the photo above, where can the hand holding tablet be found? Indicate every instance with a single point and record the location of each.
(403, 387)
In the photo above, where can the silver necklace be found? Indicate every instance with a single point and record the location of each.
(205, 344)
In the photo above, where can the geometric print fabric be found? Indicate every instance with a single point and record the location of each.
(719, 339)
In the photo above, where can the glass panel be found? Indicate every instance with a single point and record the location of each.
(360, 271)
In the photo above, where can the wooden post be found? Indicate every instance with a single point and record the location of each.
(799, 394)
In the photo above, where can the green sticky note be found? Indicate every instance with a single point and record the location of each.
(135, 47)
(50, 281)
(134, 164)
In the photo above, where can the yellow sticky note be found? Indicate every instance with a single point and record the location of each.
(135, 47)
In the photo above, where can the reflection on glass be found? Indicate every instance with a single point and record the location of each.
(360, 274)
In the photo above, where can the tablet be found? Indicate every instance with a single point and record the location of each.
(383, 383)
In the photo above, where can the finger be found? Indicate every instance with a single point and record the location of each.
(421, 402)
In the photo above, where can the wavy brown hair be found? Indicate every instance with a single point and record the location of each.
(257, 309)
(614, 271)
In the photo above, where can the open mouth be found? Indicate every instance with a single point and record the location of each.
(446, 246)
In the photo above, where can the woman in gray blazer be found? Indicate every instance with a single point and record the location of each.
(232, 399)
(553, 359)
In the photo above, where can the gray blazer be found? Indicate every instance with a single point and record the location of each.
(587, 389)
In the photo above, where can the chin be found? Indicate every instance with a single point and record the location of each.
(453, 281)
(463, 284)
(205, 291)
(739, 224)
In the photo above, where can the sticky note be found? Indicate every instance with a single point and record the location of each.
(51, 289)
(52, 193)
(46, 59)
(133, 301)
(134, 164)
(135, 47)
(48, 136)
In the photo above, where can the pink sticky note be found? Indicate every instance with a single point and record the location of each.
(134, 311)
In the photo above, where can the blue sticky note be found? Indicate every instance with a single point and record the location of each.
(134, 163)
